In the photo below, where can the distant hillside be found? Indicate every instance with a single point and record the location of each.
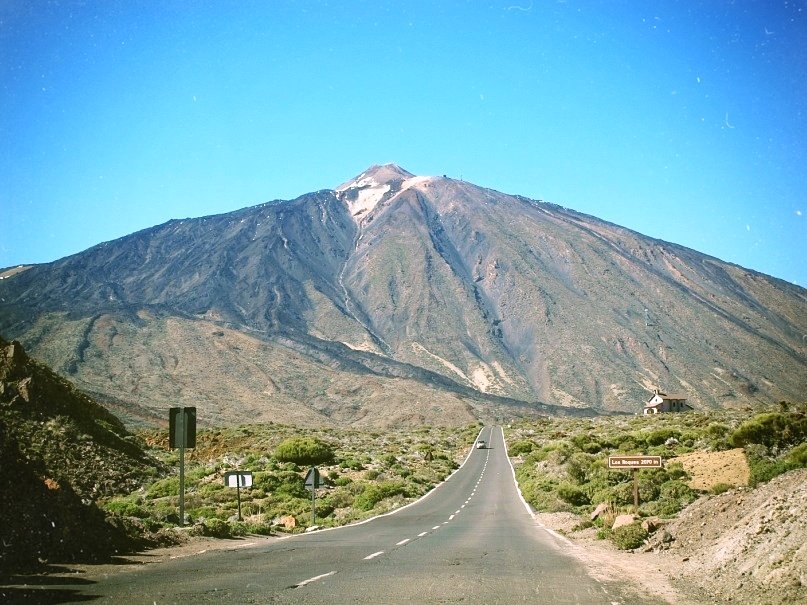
(59, 452)
(399, 299)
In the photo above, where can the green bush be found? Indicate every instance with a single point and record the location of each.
(304, 451)
(629, 442)
(660, 436)
(717, 430)
(375, 493)
(675, 470)
(126, 508)
(163, 488)
(519, 448)
(579, 467)
(388, 459)
(260, 529)
(765, 469)
(720, 488)
(586, 443)
(798, 455)
(216, 528)
(674, 496)
(572, 494)
(622, 494)
(352, 464)
(772, 430)
(629, 537)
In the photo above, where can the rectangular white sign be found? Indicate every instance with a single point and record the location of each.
(238, 479)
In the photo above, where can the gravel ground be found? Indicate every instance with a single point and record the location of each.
(745, 546)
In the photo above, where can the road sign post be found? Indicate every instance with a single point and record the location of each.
(633, 464)
(238, 479)
(181, 434)
(312, 482)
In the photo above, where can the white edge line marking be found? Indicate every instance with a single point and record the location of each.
(402, 542)
(374, 555)
(314, 579)
(524, 502)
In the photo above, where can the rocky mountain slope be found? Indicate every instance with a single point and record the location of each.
(397, 299)
(59, 452)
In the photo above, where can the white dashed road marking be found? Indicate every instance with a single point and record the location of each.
(374, 555)
(314, 579)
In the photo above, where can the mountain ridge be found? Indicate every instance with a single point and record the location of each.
(494, 301)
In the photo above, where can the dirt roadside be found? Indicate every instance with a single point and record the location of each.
(745, 546)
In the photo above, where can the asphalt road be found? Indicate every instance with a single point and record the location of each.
(471, 540)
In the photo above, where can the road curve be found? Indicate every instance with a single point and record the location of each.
(471, 540)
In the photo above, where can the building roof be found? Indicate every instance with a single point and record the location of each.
(667, 397)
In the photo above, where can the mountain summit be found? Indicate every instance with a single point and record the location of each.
(402, 299)
(377, 175)
(375, 185)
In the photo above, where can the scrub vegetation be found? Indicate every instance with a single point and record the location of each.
(364, 474)
(562, 463)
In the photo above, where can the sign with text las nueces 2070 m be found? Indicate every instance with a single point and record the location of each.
(631, 462)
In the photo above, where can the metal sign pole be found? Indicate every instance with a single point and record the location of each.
(313, 507)
(180, 439)
(238, 495)
(181, 486)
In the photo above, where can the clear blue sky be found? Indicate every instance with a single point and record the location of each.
(683, 120)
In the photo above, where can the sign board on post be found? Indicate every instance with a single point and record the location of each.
(238, 479)
(313, 479)
(633, 464)
(181, 434)
(312, 482)
(629, 462)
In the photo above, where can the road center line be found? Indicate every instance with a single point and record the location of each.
(374, 555)
(423, 533)
(314, 579)
(402, 542)
(436, 527)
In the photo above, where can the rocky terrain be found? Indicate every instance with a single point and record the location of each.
(59, 452)
(400, 299)
(745, 546)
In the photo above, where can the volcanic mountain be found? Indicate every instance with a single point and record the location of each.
(396, 298)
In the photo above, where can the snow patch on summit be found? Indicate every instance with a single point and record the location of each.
(372, 185)
(367, 199)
